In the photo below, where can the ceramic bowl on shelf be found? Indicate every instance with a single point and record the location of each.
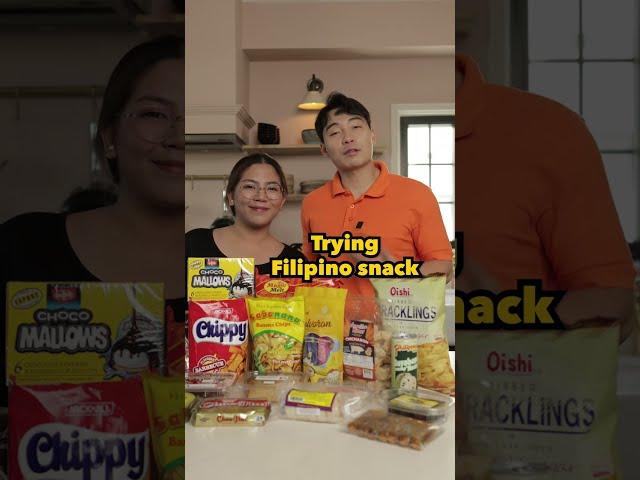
(310, 136)
(290, 183)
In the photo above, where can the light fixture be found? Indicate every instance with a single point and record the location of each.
(313, 100)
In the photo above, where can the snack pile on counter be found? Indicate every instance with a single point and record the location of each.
(90, 394)
(281, 348)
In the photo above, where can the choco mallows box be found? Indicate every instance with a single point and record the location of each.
(83, 332)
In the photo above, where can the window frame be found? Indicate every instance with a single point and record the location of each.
(425, 119)
(520, 61)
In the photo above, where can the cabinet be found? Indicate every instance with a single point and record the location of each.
(284, 153)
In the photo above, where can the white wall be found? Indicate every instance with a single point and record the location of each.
(46, 140)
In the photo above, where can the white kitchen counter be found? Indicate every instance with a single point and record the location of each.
(288, 449)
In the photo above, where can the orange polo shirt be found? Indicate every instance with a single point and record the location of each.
(532, 197)
(403, 212)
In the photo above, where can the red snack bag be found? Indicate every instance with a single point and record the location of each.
(275, 287)
(267, 286)
(218, 337)
(88, 431)
(175, 343)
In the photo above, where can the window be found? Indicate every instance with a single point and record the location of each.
(427, 155)
(583, 53)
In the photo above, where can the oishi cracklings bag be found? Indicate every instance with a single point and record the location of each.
(416, 306)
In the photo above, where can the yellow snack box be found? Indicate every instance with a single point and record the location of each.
(83, 332)
(277, 331)
(219, 278)
(323, 332)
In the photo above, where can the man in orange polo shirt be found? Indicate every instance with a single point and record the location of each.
(365, 199)
(533, 202)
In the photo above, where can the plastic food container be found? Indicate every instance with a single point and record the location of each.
(211, 383)
(267, 385)
(421, 404)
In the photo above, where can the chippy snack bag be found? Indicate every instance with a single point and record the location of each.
(219, 278)
(323, 337)
(277, 331)
(165, 398)
(541, 397)
(269, 287)
(218, 336)
(87, 431)
(416, 306)
(83, 332)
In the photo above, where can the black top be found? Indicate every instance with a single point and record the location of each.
(34, 247)
(200, 243)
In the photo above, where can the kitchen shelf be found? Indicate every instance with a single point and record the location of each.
(150, 19)
(296, 197)
(303, 149)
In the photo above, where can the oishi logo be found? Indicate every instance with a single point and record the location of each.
(214, 330)
(400, 292)
(506, 363)
(55, 450)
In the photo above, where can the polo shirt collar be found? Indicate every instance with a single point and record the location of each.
(470, 97)
(378, 188)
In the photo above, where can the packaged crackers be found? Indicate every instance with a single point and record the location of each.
(219, 278)
(83, 332)
(231, 412)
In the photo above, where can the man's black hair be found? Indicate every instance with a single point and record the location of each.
(341, 104)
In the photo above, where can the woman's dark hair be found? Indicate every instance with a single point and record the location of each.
(341, 104)
(136, 62)
(243, 164)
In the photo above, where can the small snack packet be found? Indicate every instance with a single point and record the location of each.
(231, 412)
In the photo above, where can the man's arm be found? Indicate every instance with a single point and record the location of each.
(430, 237)
(431, 267)
(593, 305)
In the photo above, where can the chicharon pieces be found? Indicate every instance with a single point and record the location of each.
(392, 428)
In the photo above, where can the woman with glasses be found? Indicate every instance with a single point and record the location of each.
(140, 236)
(256, 192)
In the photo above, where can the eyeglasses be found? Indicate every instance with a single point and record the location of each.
(153, 125)
(251, 190)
